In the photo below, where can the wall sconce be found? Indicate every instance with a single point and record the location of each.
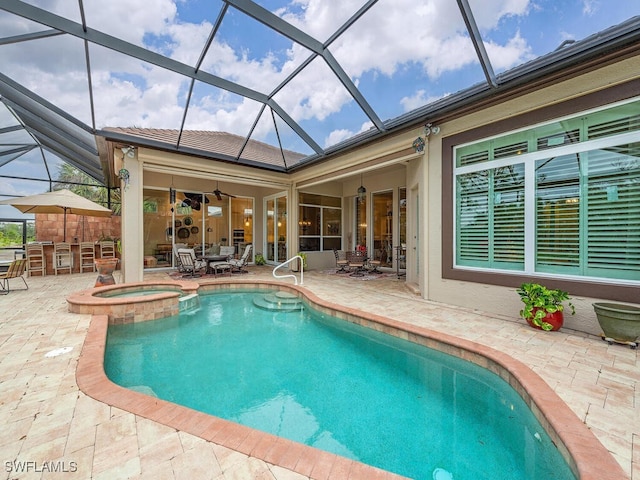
(123, 174)
(362, 192)
(418, 145)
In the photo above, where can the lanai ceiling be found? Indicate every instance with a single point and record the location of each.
(270, 83)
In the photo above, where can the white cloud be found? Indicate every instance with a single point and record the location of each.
(515, 51)
(418, 99)
(589, 7)
(337, 136)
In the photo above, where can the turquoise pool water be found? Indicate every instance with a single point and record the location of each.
(338, 387)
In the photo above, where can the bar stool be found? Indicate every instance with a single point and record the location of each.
(36, 261)
(87, 256)
(62, 257)
(107, 249)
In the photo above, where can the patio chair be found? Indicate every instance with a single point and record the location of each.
(356, 261)
(16, 270)
(107, 249)
(191, 266)
(341, 261)
(374, 263)
(87, 256)
(228, 250)
(237, 265)
(176, 248)
(62, 257)
(36, 260)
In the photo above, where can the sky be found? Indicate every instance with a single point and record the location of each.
(400, 54)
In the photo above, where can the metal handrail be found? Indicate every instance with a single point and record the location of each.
(291, 274)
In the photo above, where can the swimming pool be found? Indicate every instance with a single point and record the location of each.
(307, 376)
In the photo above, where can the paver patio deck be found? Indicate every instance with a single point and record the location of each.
(46, 418)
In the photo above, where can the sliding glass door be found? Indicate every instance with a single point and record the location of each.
(276, 229)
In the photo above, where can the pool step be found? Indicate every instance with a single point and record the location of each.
(278, 302)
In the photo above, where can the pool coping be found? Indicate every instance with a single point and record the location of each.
(131, 308)
(584, 453)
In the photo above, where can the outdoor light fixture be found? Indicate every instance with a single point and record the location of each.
(429, 129)
(129, 151)
(172, 195)
(362, 192)
(418, 145)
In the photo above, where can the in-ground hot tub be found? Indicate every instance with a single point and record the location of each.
(136, 302)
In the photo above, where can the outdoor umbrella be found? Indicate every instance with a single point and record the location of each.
(58, 201)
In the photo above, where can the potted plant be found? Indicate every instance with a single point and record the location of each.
(543, 306)
(304, 259)
(259, 259)
(295, 266)
(620, 323)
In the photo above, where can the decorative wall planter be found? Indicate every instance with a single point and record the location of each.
(620, 323)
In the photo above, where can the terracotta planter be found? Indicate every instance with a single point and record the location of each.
(619, 322)
(556, 320)
(105, 267)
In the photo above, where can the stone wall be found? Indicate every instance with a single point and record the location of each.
(80, 228)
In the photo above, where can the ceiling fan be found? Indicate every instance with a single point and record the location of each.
(193, 200)
(219, 193)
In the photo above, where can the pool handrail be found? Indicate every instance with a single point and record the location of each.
(295, 279)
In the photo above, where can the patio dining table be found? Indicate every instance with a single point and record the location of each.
(216, 262)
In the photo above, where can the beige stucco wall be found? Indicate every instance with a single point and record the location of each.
(386, 164)
(490, 298)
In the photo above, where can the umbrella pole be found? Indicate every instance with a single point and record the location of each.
(64, 235)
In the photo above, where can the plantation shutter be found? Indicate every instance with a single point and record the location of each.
(508, 217)
(473, 219)
(557, 214)
(491, 218)
(613, 212)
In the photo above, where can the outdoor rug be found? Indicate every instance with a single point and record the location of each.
(366, 276)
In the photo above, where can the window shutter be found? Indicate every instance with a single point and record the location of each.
(508, 217)
(473, 219)
(557, 214)
(613, 214)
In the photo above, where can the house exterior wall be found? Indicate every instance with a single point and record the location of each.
(391, 162)
(605, 85)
